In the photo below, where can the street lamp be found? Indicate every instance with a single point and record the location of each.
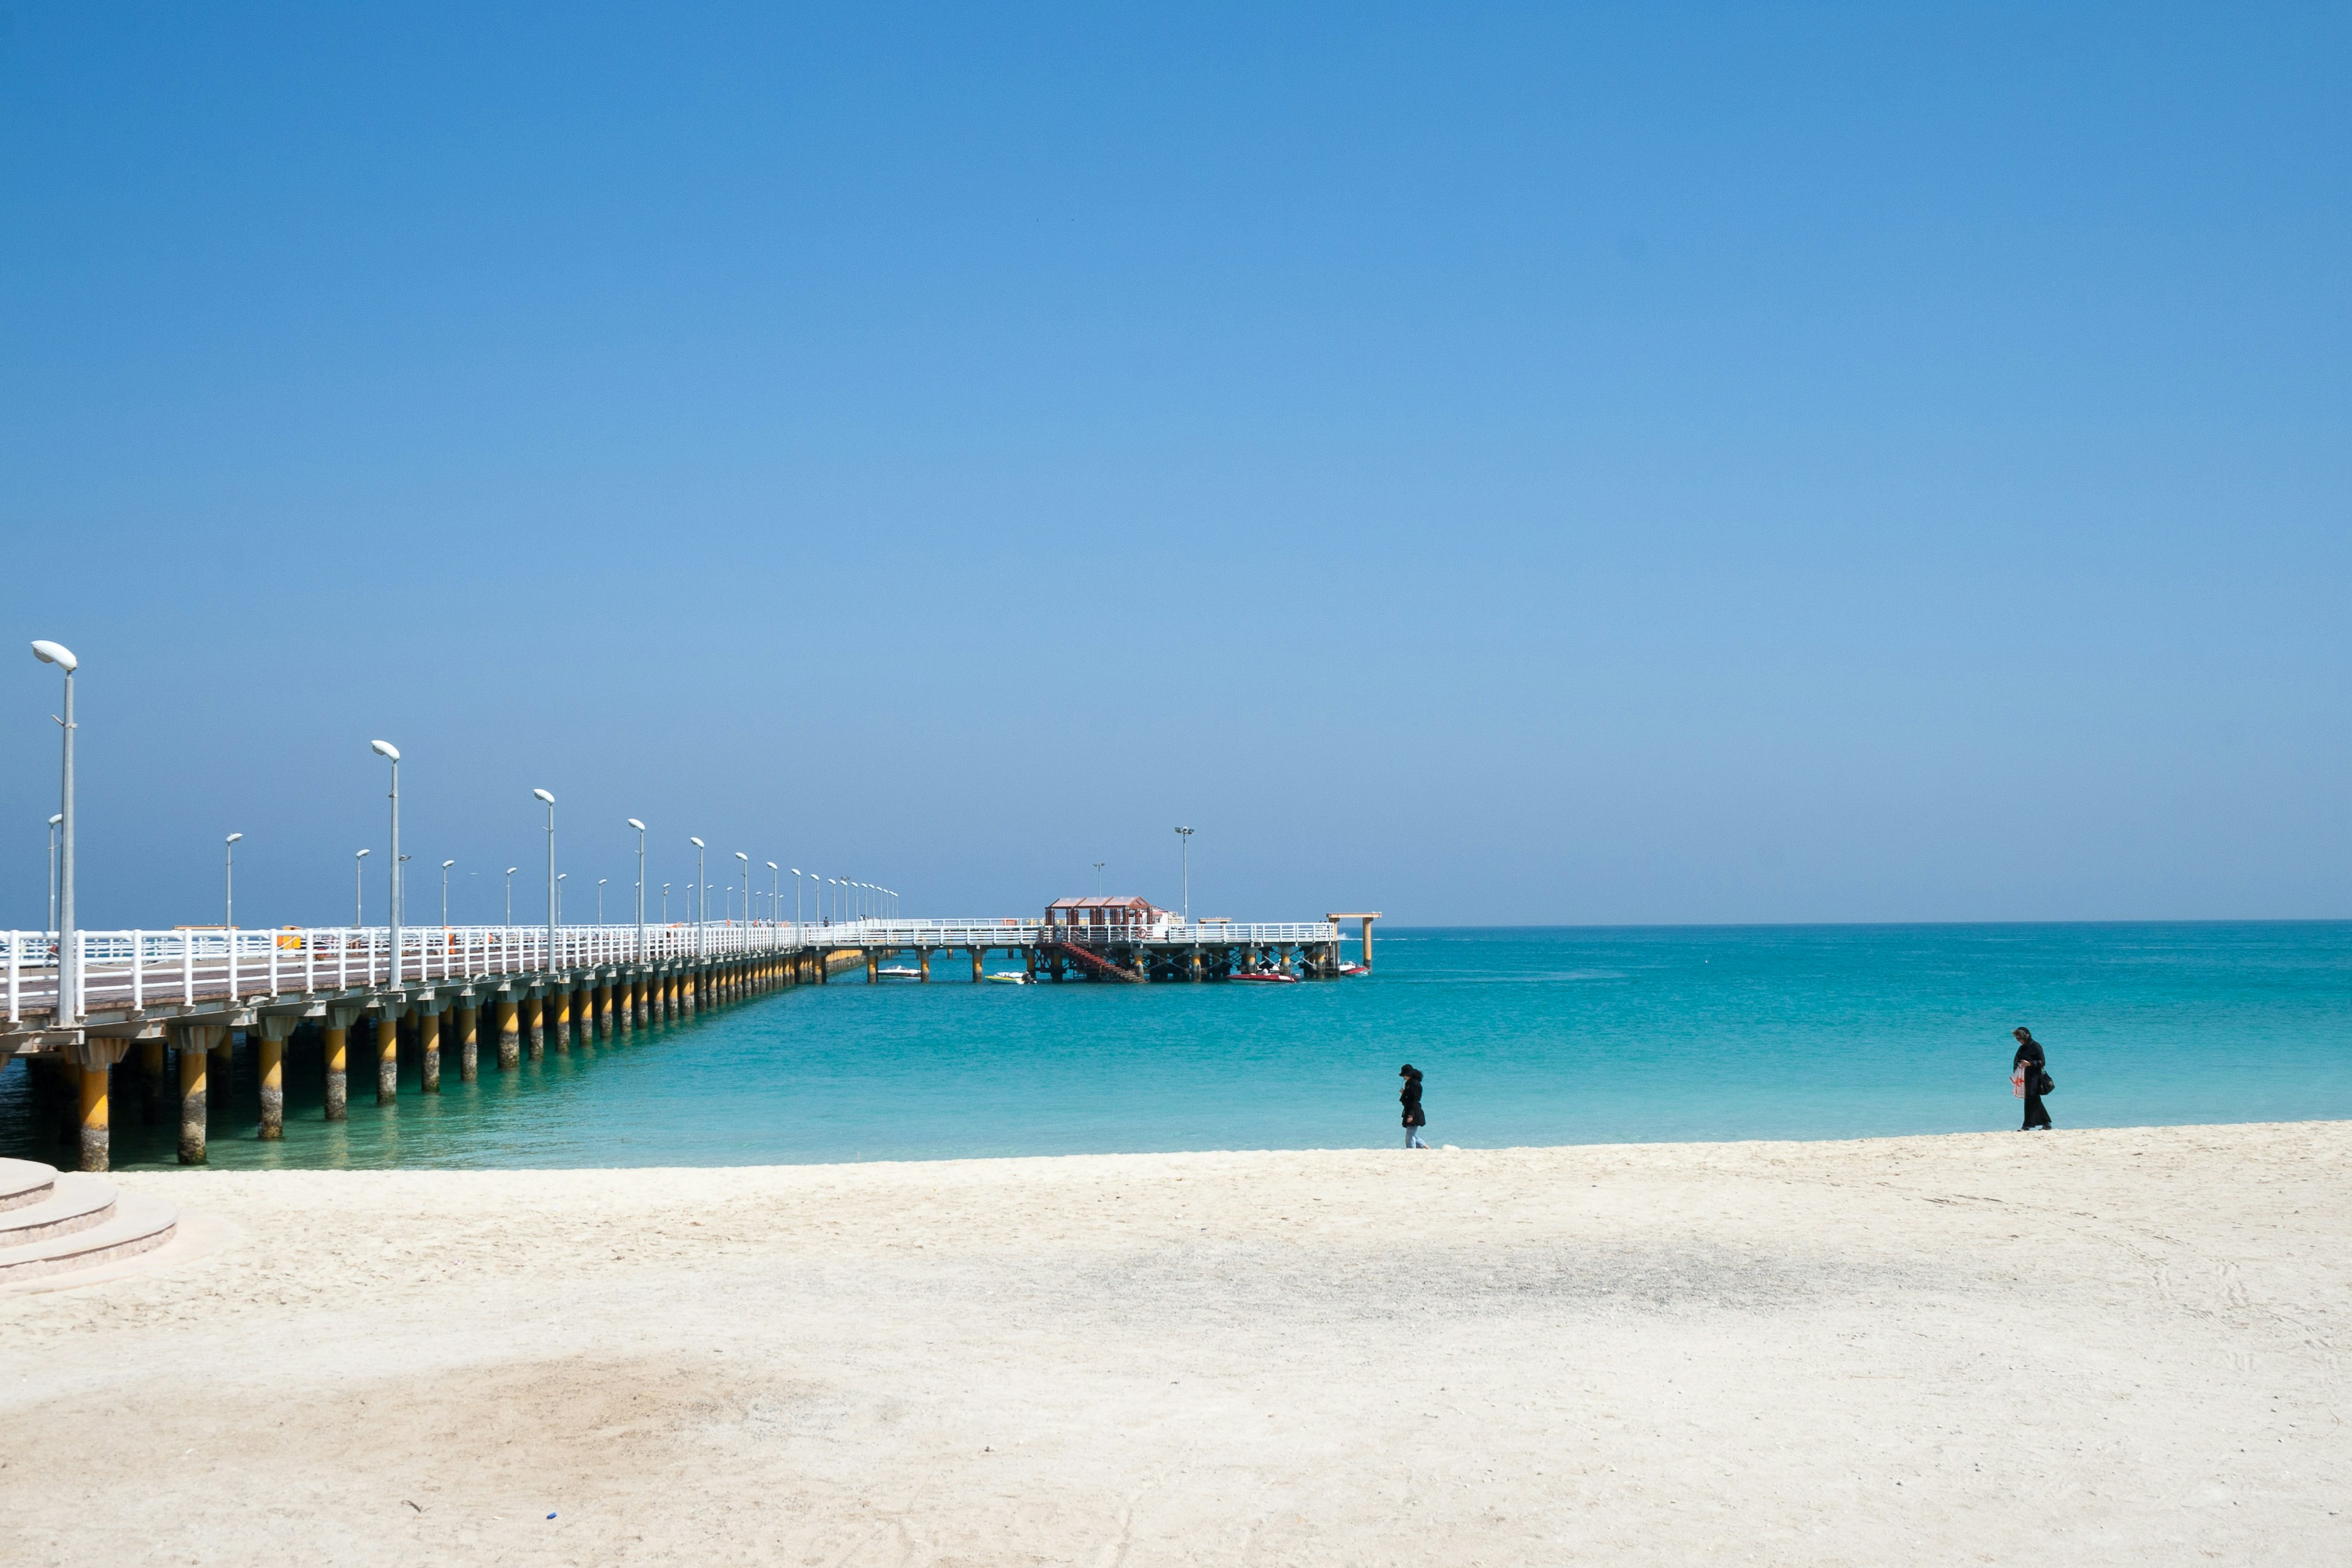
(747, 885)
(641, 886)
(444, 892)
(59, 818)
(1184, 837)
(68, 959)
(549, 800)
(775, 894)
(560, 876)
(796, 901)
(228, 880)
(358, 893)
(701, 895)
(510, 871)
(1099, 865)
(664, 903)
(391, 753)
(600, 899)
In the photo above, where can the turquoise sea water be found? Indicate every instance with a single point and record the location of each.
(1558, 1036)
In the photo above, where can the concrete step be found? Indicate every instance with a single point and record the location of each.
(75, 1203)
(137, 1224)
(23, 1182)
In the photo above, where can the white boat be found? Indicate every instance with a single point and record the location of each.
(1007, 977)
(898, 972)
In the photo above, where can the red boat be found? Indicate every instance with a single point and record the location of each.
(1268, 977)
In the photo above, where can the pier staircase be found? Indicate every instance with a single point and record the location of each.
(53, 1223)
(1096, 962)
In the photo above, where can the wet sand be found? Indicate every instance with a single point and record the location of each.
(2102, 1346)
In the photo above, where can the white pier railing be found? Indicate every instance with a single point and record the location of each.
(124, 970)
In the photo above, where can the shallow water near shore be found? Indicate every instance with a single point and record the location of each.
(1527, 1036)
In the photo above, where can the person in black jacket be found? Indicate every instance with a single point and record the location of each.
(2034, 1065)
(1413, 1119)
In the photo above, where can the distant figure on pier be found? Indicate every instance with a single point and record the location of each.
(2029, 1080)
(1414, 1121)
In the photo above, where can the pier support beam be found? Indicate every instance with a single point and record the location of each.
(270, 1056)
(603, 997)
(334, 1036)
(873, 967)
(428, 1044)
(470, 1043)
(387, 1054)
(534, 1012)
(194, 1050)
(560, 1002)
(509, 1034)
(96, 1056)
(625, 1006)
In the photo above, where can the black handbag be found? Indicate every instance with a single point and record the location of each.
(2043, 1083)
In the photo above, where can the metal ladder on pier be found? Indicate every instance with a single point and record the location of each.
(1096, 962)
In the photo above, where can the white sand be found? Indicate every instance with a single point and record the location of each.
(2088, 1347)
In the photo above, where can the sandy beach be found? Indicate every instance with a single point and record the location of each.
(2097, 1347)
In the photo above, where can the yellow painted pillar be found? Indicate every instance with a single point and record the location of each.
(625, 1006)
(534, 1021)
(975, 964)
(388, 1057)
(96, 1136)
(562, 1001)
(604, 1027)
(428, 1040)
(686, 993)
(271, 1057)
(873, 967)
(509, 1037)
(334, 1039)
(193, 1051)
(469, 1044)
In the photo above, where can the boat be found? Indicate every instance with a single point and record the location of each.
(1353, 969)
(1267, 976)
(898, 972)
(1007, 977)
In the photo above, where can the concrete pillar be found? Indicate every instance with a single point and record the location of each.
(95, 1137)
(534, 1013)
(559, 1001)
(469, 1044)
(154, 1069)
(334, 1038)
(428, 1042)
(873, 964)
(686, 998)
(625, 1006)
(271, 1058)
(604, 1029)
(509, 1034)
(641, 995)
(976, 955)
(387, 1056)
(196, 1043)
(923, 964)
(1368, 944)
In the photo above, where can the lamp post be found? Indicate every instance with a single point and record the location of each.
(68, 959)
(391, 753)
(600, 899)
(1099, 865)
(59, 818)
(228, 880)
(775, 894)
(444, 892)
(796, 902)
(549, 801)
(510, 871)
(561, 878)
(747, 885)
(641, 886)
(701, 896)
(664, 903)
(358, 892)
(1184, 837)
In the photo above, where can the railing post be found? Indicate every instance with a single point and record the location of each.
(187, 968)
(138, 969)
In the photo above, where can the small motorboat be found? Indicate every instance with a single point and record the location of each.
(898, 972)
(1267, 976)
(1007, 977)
(1353, 969)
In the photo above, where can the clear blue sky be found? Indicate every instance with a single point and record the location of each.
(1631, 464)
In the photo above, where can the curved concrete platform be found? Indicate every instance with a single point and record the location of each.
(72, 1223)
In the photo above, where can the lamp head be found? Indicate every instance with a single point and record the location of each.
(447, 864)
(56, 653)
(384, 749)
(636, 824)
(695, 842)
(542, 794)
(773, 866)
(741, 856)
(560, 876)
(232, 838)
(512, 869)
(364, 855)
(795, 870)
(60, 816)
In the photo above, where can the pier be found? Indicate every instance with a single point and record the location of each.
(174, 1005)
